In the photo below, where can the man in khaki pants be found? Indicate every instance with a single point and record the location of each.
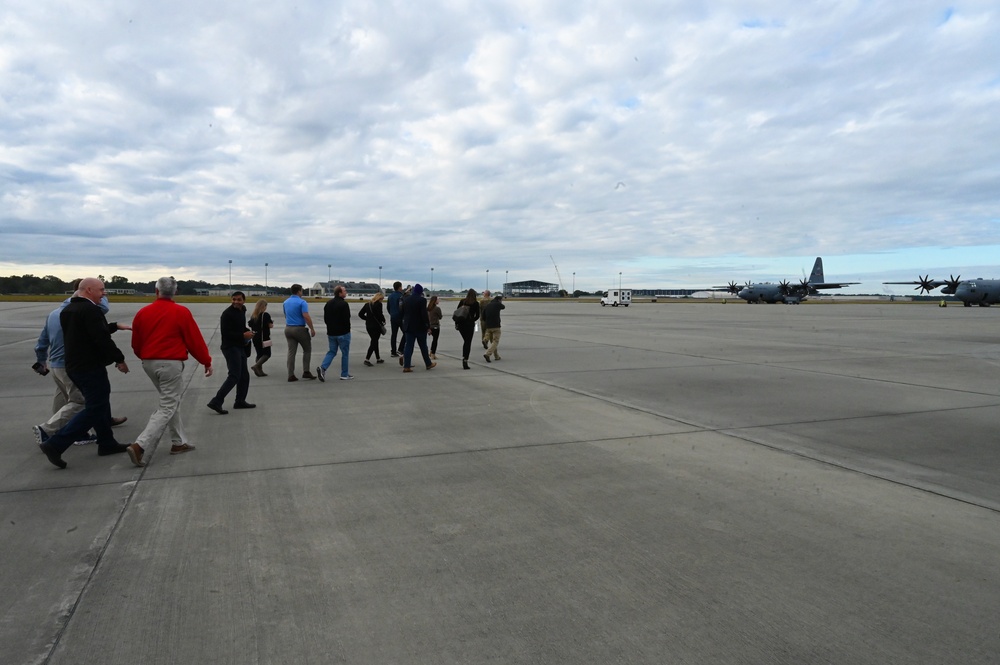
(483, 302)
(163, 334)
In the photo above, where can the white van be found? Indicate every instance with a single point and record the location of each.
(617, 297)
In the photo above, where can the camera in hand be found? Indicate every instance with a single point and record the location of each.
(40, 368)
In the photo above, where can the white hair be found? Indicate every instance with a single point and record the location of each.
(167, 286)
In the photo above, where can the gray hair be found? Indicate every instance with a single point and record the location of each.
(167, 286)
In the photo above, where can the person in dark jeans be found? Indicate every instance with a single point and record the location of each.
(394, 304)
(235, 339)
(89, 350)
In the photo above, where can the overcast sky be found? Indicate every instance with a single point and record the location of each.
(678, 143)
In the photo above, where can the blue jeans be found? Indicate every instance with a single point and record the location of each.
(420, 339)
(96, 389)
(239, 376)
(341, 343)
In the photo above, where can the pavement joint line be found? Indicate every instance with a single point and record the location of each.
(927, 489)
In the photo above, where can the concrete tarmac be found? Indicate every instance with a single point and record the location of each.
(664, 483)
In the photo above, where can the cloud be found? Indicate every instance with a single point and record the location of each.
(462, 136)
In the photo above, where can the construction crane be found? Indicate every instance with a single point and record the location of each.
(557, 272)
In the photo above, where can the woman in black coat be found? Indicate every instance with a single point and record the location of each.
(467, 325)
(374, 319)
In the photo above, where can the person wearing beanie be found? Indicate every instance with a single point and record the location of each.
(416, 324)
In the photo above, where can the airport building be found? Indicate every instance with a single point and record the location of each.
(354, 289)
(530, 289)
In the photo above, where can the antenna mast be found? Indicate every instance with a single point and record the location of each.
(557, 273)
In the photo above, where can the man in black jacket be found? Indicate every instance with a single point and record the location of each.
(416, 324)
(235, 338)
(89, 350)
(337, 317)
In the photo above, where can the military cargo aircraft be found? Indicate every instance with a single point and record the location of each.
(785, 291)
(979, 291)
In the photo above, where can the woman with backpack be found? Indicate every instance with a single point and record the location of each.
(465, 318)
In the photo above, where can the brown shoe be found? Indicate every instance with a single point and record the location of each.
(183, 448)
(407, 369)
(293, 378)
(135, 452)
(308, 375)
(120, 420)
(256, 370)
(432, 366)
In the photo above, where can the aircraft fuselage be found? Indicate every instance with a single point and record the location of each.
(982, 292)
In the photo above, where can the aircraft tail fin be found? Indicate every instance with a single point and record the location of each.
(816, 277)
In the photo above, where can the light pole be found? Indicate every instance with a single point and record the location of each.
(432, 281)
(506, 281)
(265, 278)
(574, 283)
(230, 275)
(487, 278)
(380, 278)
(619, 283)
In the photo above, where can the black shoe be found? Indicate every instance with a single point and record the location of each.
(244, 405)
(400, 360)
(485, 345)
(393, 354)
(368, 363)
(321, 374)
(218, 409)
(487, 356)
(113, 450)
(379, 361)
(53, 456)
(465, 364)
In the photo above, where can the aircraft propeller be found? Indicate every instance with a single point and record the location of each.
(926, 284)
(734, 288)
(952, 284)
(785, 287)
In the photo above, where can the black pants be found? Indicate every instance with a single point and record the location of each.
(395, 323)
(95, 386)
(375, 335)
(468, 332)
(435, 333)
(239, 376)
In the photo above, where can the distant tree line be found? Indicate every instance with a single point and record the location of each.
(52, 285)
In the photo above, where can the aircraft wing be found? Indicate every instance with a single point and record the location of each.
(927, 284)
(830, 285)
(932, 284)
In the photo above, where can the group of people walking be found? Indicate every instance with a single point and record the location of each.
(76, 346)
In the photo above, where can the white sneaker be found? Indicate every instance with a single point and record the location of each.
(346, 378)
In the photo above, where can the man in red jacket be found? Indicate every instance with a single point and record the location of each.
(163, 334)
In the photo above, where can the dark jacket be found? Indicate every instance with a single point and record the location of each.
(491, 315)
(395, 305)
(232, 325)
(87, 336)
(470, 320)
(373, 317)
(415, 318)
(337, 317)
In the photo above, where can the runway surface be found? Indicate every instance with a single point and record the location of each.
(664, 483)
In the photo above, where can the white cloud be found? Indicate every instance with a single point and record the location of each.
(466, 136)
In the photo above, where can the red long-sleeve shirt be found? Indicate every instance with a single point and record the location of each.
(164, 330)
